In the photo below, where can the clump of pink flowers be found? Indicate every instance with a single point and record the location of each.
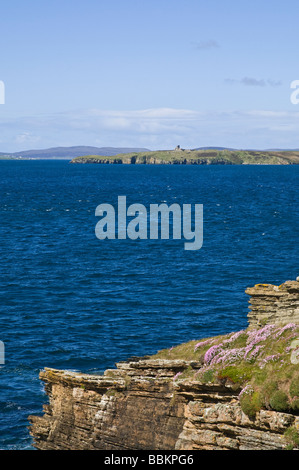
(202, 343)
(247, 390)
(221, 354)
(234, 336)
(271, 358)
(212, 352)
(258, 335)
(228, 356)
(289, 326)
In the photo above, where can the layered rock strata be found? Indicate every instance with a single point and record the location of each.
(274, 304)
(140, 406)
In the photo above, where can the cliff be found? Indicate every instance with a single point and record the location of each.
(274, 304)
(238, 391)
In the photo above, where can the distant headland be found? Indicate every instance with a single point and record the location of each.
(210, 156)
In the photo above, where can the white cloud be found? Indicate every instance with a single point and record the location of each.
(27, 138)
(153, 128)
(147, 121)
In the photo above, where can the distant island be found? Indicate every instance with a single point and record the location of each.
(209, 156)
(67, 153)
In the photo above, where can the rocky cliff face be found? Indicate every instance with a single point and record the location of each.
(274, 304)
(145, 404)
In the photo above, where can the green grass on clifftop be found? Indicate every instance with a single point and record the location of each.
(261, 363)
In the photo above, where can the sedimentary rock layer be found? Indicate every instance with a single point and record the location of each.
(274, 304)
(140, 406)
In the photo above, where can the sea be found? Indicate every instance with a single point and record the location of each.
(72, 301)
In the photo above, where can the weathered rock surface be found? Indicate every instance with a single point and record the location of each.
(274, 304)
(140, 406)
(143, 403)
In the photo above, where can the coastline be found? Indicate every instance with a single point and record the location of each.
(195, 157)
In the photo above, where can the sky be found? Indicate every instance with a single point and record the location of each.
(152, 74)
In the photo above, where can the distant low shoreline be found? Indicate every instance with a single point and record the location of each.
(196, 157)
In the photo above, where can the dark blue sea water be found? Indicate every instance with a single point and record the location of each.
(71, 301)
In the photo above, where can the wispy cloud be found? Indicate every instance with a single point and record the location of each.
(27, 138)
(206, 45)
(153, 128)
(249, 81)
(147, 121)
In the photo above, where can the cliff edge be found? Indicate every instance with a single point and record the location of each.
(238, 391)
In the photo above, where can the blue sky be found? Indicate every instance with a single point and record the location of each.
(151, 74)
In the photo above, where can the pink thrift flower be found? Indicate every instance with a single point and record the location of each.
(201, 343)
(177, 375)
(212, 352)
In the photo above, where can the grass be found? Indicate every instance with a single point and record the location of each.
(258, 363)
(292, 437)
